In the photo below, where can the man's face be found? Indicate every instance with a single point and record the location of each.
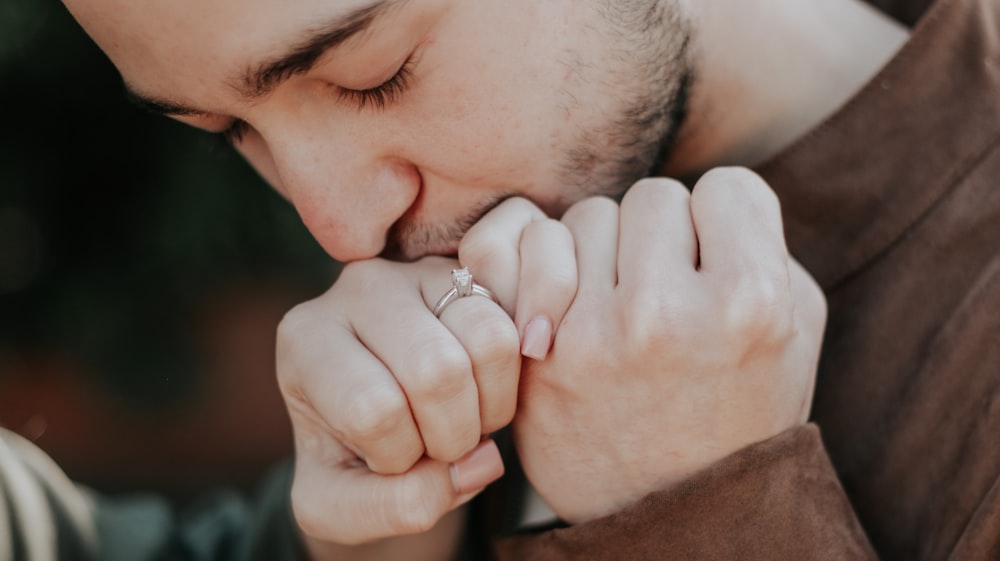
(393, 126)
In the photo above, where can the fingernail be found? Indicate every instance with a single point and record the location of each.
(477, 469)
(537, 338)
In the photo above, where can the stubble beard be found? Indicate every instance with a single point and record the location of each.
(651, 86)
(650, 39)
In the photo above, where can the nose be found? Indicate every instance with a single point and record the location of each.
(351, 218)
(347, 189)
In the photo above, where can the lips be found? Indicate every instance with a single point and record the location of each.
(415, 235)
(410, 239)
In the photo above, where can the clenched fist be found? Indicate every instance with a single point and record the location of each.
(391, 404)
(693, 334)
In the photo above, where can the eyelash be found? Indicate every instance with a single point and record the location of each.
(382, 95)
(378, 97)
(236, 131)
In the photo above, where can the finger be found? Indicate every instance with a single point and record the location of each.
(350, 505)
(429, 363)
(547, 284)
(593, 223)
(360, 402)
(657, 234)
(491, 341)
(491, 248)
(330, 379)
(737, 220)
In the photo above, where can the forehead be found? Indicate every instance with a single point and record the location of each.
(171, 45)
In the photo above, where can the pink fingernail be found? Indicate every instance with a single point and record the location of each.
(537, 338)
(477, 469)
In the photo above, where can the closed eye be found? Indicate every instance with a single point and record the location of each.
(377, 98)
(383, 95)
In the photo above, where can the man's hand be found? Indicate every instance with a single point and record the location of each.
(693, 334)
(389, 404)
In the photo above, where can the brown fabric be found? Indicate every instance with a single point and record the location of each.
(802, 488)
(906, 12)
(894, 205)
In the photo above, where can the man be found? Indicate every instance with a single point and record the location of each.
(410, 128)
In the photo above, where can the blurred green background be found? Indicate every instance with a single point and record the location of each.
(132, 248)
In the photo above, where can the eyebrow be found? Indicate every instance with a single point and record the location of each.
(260, 80)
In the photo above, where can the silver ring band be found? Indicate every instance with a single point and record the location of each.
(463, 286)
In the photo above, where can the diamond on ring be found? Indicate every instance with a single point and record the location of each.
(462, 285)
(462, 280)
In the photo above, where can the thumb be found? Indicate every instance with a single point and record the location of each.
(349, 504)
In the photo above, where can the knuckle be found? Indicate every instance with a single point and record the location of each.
(722, 183)
(522, 207)
(294, 324)
(730, 177)
(590, 207)
(292, 328)
(438, 377)
(303, 340)
(651, 189)
(760, 307)
(292, 320)
(491, 247)
(495, 341)
(375, 413)
(737, 184)
(651, 326)
(655, 321)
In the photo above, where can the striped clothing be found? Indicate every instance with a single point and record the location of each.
(46, 517)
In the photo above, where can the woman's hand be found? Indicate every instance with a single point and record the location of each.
(390, 404)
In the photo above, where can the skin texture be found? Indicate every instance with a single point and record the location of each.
(515, 114)
(412, 175)
(550, 101)
(664, 277)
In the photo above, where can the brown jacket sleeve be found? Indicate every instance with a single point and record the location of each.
(776, 500)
